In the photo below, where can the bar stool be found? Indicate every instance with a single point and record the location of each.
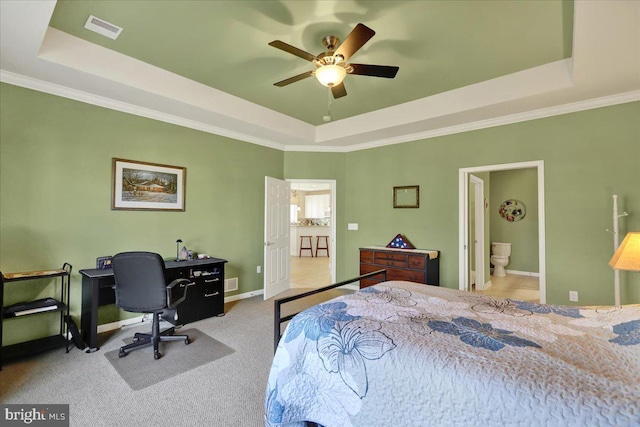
(324, 247)
(303, 240)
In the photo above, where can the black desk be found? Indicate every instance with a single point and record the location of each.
(204, 299)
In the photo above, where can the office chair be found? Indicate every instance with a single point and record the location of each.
(141, 287)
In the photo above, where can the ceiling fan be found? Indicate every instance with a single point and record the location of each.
(332, 66)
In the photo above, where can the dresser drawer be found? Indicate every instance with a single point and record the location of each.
(408, 275)
(417, 262)
(366, 257)
(390, 256)
(370, 268)
(391, 259)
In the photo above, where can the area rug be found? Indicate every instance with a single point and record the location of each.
(139, 369)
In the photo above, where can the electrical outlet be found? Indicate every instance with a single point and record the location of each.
(573, 296)
(259, 269)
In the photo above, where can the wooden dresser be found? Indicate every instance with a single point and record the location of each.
(413, 265)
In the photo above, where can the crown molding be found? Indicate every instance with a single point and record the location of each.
(318, 148)
(100, 101)
(541, 113)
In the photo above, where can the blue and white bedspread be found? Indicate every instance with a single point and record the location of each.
(403, 354)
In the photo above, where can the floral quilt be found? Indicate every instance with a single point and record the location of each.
(405, 354)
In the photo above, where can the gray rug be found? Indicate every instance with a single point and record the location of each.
(139, 369)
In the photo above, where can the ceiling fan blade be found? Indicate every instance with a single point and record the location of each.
(293, 50)
(294, 79)
(354, 41)
(374, 70)
(339, 91)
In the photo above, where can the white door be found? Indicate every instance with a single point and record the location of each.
(478, 243)
(277, 198)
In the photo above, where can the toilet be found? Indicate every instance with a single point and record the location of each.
(500, 257)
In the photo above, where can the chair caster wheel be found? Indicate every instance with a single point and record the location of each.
(122, 353)
(186, 341)
(157, 356)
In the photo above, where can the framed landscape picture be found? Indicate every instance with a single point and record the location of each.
(147, 186)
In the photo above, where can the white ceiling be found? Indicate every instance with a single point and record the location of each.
(604, 70)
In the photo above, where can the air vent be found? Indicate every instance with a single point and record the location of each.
(231, 284)
(102, 27)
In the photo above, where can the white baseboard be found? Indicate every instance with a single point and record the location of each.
(244, 295)
(522, 273)
(487, 285)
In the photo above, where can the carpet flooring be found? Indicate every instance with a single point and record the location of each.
(227, 392)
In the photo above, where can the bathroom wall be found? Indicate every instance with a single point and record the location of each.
(522, 185)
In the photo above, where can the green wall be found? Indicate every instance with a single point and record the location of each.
(519, 184)
(588, 156)
(55, 199)
(55, 186)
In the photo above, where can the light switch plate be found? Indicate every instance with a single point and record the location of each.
(352, 226)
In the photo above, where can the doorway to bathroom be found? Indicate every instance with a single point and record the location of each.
(313, 236)
(474, 230)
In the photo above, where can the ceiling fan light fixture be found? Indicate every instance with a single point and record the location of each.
(330, 75)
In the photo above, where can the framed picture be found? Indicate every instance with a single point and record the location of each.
(147, 186)
(406, 197)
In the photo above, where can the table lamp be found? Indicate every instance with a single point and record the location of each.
(627, 256)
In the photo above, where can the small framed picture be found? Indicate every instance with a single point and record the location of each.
(147, 186)
(406, 197)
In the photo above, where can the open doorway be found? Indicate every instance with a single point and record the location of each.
(312, 234)
(467, 238)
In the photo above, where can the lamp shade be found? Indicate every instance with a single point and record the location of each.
(330, 75)
(627, 256)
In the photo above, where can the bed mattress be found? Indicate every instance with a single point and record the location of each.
(406, 354)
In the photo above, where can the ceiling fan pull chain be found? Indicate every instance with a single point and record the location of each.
(327, 118)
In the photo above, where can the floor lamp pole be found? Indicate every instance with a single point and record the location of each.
(616, 273)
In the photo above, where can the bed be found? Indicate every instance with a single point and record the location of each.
(406, 354)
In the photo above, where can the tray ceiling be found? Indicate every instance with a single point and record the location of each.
(438, 45)
(207, 65)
